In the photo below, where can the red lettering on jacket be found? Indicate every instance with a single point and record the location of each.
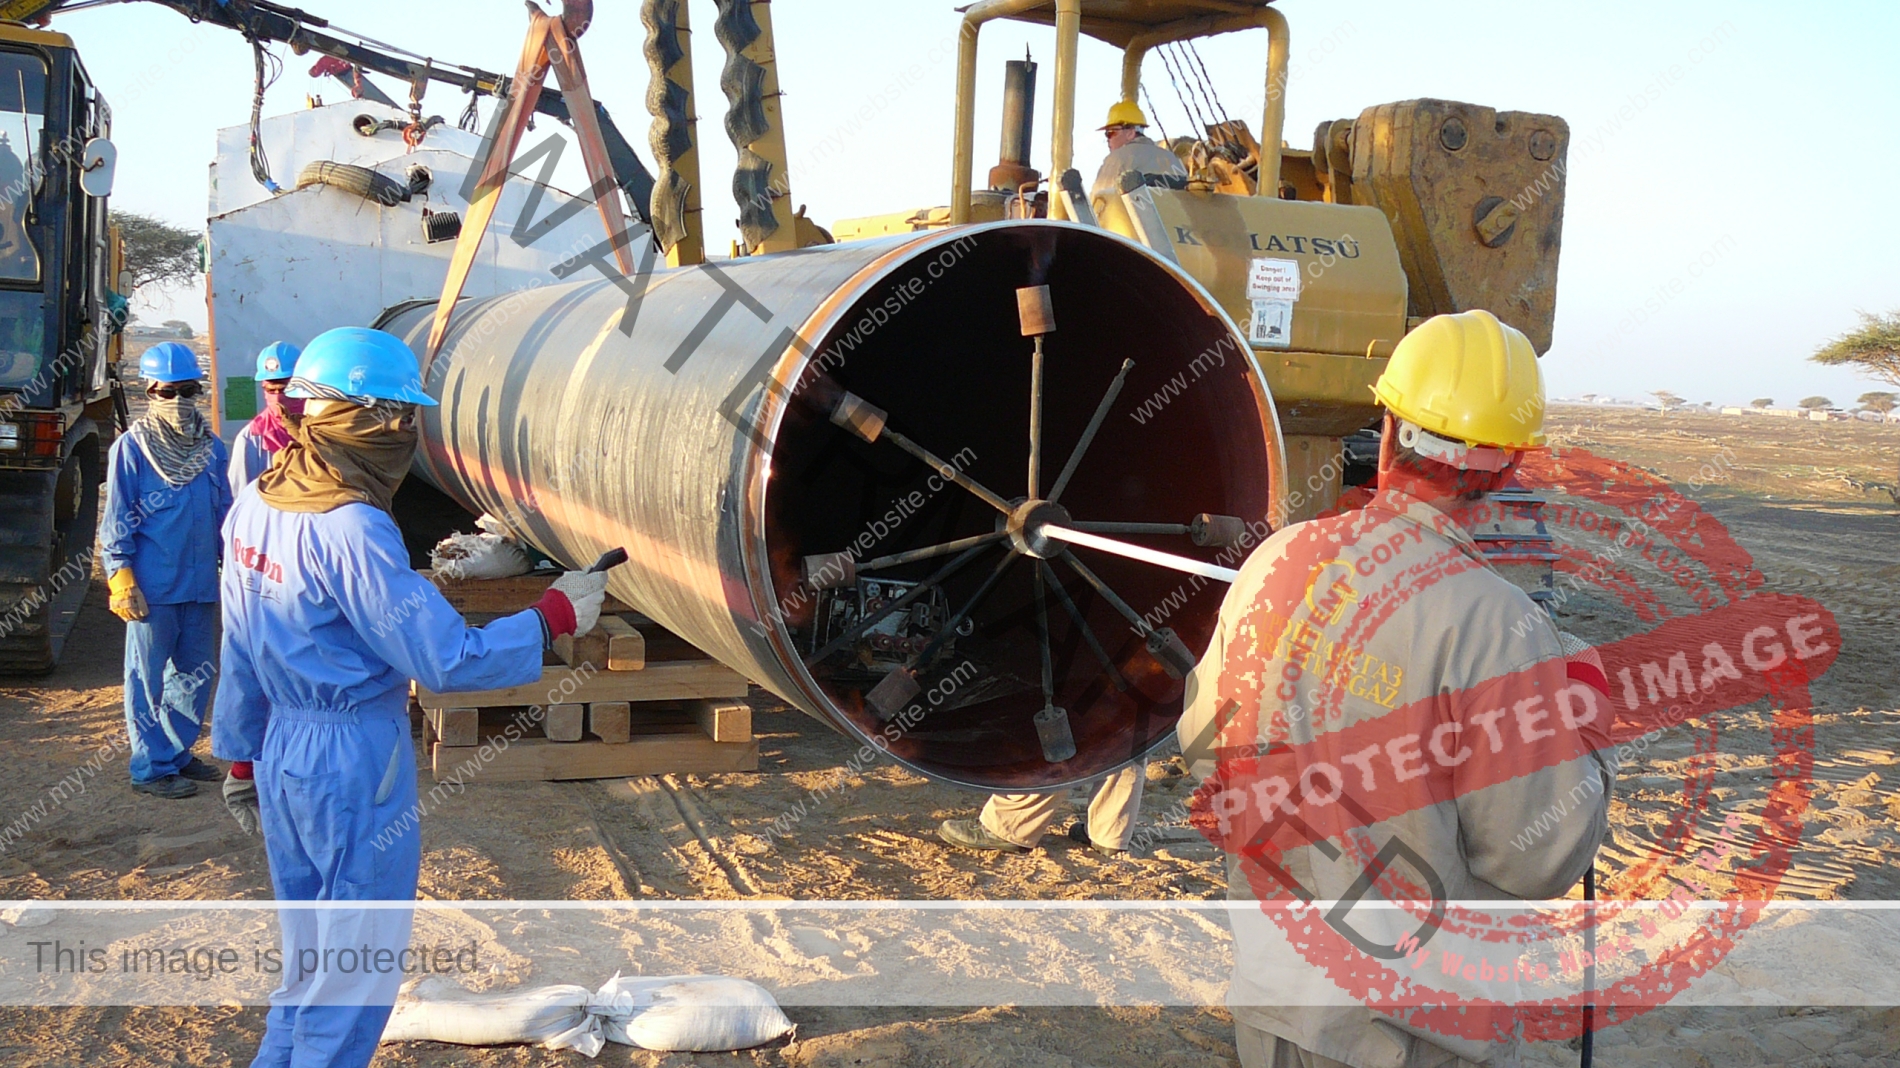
(253, 559)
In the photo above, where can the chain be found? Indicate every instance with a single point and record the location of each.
(1155, 113)
(1174, 79)
(1207, 82)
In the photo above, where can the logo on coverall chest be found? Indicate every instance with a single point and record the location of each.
(251, 558)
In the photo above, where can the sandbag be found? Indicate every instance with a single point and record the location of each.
(490, 554)
(436, 1009)
(688, 1013)
(27, 916)
(691, 1013)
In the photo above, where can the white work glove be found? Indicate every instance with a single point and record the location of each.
(586, 591)
(240, 797)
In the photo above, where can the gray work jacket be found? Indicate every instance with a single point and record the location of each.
(1395, 613)
(1141, 154)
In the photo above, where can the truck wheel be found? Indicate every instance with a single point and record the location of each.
(47, 533)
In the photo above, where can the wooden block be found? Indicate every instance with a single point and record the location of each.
(682, 750)
(458, 726)
(676, 680)
(724, 721)
(626, 647)
(500, 721)
(610, 721)
(583, 650)
(502, 595)
(563, 723)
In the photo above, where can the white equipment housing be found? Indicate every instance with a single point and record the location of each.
(289, 266)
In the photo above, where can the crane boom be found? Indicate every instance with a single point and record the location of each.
(261, 20)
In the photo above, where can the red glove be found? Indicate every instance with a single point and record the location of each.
(240, 769)
(557, 612)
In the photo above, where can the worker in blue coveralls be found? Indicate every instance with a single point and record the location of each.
(166, 497)
(325, 623)
(266, 435)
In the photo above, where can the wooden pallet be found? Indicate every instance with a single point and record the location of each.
(628, 698)
(670, 680)
(526, 743)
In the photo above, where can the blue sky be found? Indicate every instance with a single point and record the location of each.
(1730, 220)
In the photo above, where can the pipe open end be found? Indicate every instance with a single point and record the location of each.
(936, 344)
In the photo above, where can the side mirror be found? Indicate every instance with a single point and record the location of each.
(96, 167)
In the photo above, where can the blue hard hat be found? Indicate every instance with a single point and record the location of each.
(276, 360)
(359, 364)
(169, 362)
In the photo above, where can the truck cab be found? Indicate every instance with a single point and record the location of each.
(58, 337)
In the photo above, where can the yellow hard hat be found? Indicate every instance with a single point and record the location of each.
(1125, 113)
(1470, 378)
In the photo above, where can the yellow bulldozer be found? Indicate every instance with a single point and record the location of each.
(1325, 256)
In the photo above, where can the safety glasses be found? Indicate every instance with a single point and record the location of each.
(169, 391)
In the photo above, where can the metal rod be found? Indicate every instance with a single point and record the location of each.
(946, 470)
(857, 630)
(1129, 528)
(1048, 656)
(498, 153)
(1082, 624)
(1062, 111)
(1273, 116)
(1588, 1043)
(1137, 552)
(911, 556)
(1141, 625)
(1035, 419)
(1088, 434)
(950, 625)
(564, 55)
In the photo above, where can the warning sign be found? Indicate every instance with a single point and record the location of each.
(1270, 279)
(1271, 324)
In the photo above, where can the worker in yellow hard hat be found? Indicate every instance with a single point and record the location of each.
(1401, 711)
(1464, 390)
(1130, 149)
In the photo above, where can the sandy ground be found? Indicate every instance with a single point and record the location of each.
(1794, 494)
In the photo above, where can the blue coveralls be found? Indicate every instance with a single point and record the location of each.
(168, 536)
(325, 623)
(249, 459)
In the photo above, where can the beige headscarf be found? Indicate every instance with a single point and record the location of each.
(345, 453)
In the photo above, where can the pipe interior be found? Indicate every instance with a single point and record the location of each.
(937, 344)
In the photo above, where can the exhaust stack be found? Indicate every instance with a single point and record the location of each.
(1019, 125)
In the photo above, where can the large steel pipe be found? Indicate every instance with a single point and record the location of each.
(666, 442)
